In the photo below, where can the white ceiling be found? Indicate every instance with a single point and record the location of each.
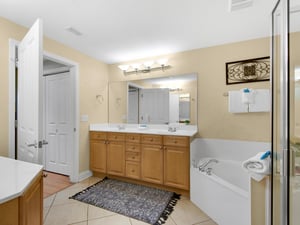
(121, 30)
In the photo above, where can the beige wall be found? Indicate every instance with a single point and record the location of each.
(93, 78)
(214, 120)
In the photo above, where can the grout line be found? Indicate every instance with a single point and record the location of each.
(199, 223)
(49, 207)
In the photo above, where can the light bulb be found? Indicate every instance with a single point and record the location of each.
(136, 66)
(162, 62)
(148, 64)
(123, 67)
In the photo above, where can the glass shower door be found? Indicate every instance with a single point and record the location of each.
(294, 115)
(286, 113)
(280, 151)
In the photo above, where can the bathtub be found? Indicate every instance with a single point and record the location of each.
(225, 195)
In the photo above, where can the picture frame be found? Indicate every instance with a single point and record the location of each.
(249, 70)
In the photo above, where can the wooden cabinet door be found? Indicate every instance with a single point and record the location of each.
(31, 204)
(98, 156)
(176, 167)
(116, 158)
(9, 212)
(152, 163)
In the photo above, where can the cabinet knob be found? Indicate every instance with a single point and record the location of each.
(132, 171)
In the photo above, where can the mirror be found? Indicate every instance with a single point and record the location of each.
(161, 100)
(297, 103)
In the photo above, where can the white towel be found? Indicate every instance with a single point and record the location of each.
(235, 104)
(256, 167)
(262, 101)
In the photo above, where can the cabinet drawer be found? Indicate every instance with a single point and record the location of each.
(133, 138)
(96, 135)
(114, 136)
(151, 139)
(133, 156)
(133, 170)
(179, 141)
(133, 147)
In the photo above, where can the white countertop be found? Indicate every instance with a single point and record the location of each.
(181, 130)
(15, 176)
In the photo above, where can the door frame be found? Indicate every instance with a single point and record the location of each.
(74, 70)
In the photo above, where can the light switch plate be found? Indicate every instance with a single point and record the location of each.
(84, 118)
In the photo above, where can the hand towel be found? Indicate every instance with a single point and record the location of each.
(257, 168)
(262, 101)
(235, 104)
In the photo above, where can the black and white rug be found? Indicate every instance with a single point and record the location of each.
(147, 204)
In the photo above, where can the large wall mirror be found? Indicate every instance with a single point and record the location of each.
(162, 100)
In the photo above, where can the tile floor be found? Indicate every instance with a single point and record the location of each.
(60, 210)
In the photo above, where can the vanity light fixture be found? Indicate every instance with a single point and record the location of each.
(136, 67)
(163, 63)
(124, 67)
(145, 67)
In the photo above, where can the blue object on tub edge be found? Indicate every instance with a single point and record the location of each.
(265, 155)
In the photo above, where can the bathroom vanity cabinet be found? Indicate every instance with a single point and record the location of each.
(21, 199)
(107, 153)
(157, 159)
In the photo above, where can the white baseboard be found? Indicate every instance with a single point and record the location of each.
(84, 175)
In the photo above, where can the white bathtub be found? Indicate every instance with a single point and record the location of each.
(225, 195)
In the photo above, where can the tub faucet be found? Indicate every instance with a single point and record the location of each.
(202, 167)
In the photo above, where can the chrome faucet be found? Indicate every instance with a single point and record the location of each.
(202, 167)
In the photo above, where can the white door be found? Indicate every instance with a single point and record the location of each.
(30, 69)
(154, 106)
(59, 122)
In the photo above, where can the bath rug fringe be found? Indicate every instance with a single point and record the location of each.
(159, 218)
(168, 210)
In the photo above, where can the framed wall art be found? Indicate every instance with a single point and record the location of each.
(249, 70)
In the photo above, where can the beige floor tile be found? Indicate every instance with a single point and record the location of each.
(96, 212)
(209, 222)
(49, 200)
(111, 220)
(137, 222)
(186, 213)
(81, 223)
(45, 212)
(62, 197)
(67, 214)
